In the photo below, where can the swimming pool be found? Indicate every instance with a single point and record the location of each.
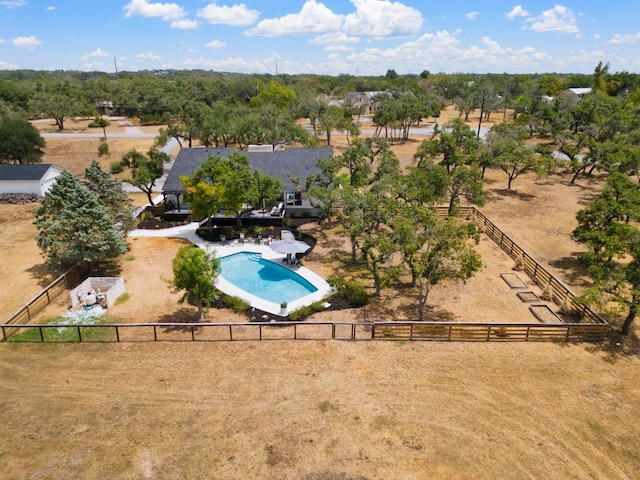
(267, 280)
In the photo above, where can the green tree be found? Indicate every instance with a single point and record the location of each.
(273, 93)
(58, 103)
(334, 118)
(453, 146)
(235, 183)
(504, 143)
(445, 253)
(599, 77)
(75, 228)
(20, 142)
(102, 123)
(465, 182)
(357, 159)
(111, 194)
(194, 273)
(203, 200)
(144, 169)
(323, 188)
(608, 227)
(268, 188)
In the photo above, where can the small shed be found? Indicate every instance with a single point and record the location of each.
(31, 178)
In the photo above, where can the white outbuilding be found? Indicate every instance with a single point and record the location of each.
(31, 178)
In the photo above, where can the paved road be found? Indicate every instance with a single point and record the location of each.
(130, 132)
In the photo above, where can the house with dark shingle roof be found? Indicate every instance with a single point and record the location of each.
(30, 178)
(279, 163)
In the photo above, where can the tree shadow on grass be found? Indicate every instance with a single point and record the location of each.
(182, 315)
(525, 197)
(42, 276)
(383, 311)
(616, 345)
(572, 270)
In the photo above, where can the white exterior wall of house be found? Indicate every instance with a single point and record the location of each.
(33, 187)
(49, 178)
(21, 186)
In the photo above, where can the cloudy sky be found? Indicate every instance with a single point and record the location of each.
(359, 37)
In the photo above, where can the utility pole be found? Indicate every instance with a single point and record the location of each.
(481, 111)
(504, 115)
(115, 64)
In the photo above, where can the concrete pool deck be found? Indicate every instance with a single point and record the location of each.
(188, 232)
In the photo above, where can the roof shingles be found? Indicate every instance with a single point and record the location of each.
(297, 162)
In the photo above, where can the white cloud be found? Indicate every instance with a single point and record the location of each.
(148, 56)
(557, 19)
(26, 42)
(8, 66)
(333, 37)
(216, 44)
(95, 54)
(472, 15)
(50, 9)
(338, 48)
(236, 15)
(382, 18)
(167, 11)
(313, 18)
(619, 39)
(13, 4)
(517, 11)
(445, 50)
(184, 24)
(2, 40)
(95, 66)
(237, 64)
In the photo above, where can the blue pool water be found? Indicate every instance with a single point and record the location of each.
(264, 279)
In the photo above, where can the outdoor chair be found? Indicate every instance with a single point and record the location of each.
(276, 211)
(287, 235)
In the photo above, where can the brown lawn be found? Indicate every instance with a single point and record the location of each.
(325, 410)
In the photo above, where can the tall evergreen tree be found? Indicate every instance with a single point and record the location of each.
(75, 228)
(110, 192)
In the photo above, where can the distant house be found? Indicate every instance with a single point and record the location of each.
(577, 93)
(280, 163)
(32, 178)
(328, 101)
(364, 100)
(105, 107)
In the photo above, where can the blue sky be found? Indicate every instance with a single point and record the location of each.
(360, 37)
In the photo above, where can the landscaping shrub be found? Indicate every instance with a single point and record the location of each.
(236, 303)
(303, 312)
(349, 290)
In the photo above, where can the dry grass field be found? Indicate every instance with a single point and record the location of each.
(322, 410)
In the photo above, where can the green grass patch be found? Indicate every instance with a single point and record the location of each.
(327, 406)
(50, 332)
(121, 299)
(130, 258)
